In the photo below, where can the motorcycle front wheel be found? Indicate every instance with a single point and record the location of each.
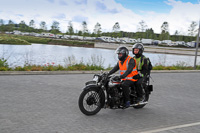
(90, 101)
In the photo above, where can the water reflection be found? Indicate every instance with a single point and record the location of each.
(41, 54)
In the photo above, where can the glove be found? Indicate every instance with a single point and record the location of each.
(117, 78)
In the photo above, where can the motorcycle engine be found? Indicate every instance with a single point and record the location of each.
(114, 97)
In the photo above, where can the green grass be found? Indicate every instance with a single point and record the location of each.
(32, 39)
(71, 43)
(71, 65)
(24, 40)
(84, 67)
(6, 39)
(50, 67)
(175, 67)
(39, 68)
(53, 68)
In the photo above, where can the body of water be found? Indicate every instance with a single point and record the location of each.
(41, 54)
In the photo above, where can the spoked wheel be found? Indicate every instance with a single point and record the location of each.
(90, 102)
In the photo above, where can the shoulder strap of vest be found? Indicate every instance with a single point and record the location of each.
(142, 56)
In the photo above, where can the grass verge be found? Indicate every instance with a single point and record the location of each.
(27, 40)
(79, 66)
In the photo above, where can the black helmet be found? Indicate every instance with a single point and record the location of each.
(138, 46)
(122, 50)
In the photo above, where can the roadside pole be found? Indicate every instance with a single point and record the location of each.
(197, 45)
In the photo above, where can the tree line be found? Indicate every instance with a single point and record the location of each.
(142, 32)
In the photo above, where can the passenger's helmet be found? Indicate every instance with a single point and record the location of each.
(138, 46)
(122, 50)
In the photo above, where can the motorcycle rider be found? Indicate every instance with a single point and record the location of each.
(142, 68)
(127, 67)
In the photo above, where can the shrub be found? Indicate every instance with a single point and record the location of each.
(60, 68)
(158, 67)
(3, 63)
(76, 67)
(19, 68)
(36, 68)
(4, 69)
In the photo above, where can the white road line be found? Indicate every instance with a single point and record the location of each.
(170, 128)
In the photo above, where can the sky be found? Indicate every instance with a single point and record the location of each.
(128, 13)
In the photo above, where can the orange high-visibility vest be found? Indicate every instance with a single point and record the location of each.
(123, 68)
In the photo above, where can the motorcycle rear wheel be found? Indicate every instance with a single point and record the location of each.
(90, 102)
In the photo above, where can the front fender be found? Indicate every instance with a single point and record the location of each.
(91, 82)
(92, 86)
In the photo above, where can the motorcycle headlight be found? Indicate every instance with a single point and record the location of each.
(96, 78)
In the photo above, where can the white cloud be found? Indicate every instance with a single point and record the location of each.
(182, 14)
(106, 12)
(179, 18)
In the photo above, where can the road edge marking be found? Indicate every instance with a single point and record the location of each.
(171, 128)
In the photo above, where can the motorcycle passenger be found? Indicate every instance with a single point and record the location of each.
(127, 67)
(142, 68)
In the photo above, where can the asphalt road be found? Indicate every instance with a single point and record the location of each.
(49, 104)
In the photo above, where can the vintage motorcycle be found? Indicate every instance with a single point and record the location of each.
(105, 92)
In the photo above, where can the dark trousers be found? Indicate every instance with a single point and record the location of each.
(125, 87)
(139, 87)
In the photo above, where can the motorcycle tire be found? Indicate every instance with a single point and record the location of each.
(90, 101)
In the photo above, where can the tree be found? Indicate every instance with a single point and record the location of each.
(70, 30)
(140, 35)
(32, 23)
(43, 25)
(142, 26)
(165, 27)
(1, 22)
(192, 29)
(164, 36)
(176, 33)
(150, 34)
(84, 29)
(1, 25)
(10, 22)
(97, 29)
(116, 27)
(176, 36)
(55, 27)
(80, 33)
(165, 31)
(22, 22)
(22, 26)
(7, 27)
